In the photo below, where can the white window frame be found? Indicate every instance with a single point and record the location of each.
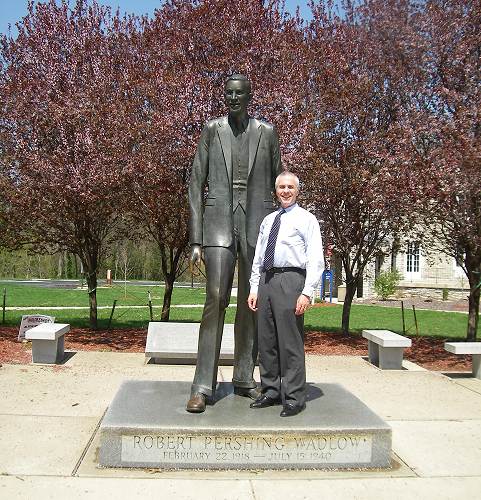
(413, 274)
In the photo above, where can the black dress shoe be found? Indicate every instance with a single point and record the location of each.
(264, 401)
(246, 392)
(290, 410)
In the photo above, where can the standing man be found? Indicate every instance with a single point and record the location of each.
(237, 159)
(287, 267)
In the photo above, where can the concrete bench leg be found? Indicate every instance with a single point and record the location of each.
(391, 358)
(373, 352)
(477, 365)
(48, 351)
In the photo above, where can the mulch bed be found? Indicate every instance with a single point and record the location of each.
(419, 303)
(425, 351)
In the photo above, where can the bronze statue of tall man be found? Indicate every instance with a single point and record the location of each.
(238, 160)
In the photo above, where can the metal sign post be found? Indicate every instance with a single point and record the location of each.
(327, 275)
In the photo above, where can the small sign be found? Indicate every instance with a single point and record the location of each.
(31, 320)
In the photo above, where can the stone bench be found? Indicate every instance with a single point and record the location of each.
(177, 343)
(386, 348)
(473, 348)
(47, 342)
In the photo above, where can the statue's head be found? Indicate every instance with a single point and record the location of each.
(237, 94)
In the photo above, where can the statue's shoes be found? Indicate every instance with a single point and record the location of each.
(196, 403)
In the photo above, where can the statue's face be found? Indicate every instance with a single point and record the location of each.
(237, 97)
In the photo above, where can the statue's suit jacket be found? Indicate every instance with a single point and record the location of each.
(211, 217)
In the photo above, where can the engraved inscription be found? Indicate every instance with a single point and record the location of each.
(245, 449)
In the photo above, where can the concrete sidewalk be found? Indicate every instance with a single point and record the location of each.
(49, 417)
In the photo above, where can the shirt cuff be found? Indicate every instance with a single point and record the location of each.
(308, 291)
(254, 289)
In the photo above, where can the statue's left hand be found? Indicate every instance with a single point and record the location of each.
(195, 255)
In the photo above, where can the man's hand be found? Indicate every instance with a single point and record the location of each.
(302, 304)
(252, 301)
(195, 256)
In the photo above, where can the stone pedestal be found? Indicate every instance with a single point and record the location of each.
(48, 351)
(147, 426)
(386, 359)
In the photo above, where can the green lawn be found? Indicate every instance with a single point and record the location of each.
(431, 323)
(35, 296)
(24, 295)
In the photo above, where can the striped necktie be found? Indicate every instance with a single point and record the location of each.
(271, 241)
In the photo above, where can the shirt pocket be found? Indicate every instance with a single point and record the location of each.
(290, 236)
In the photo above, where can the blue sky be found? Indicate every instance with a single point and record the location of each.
(12, 11)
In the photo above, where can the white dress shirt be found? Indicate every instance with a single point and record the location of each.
(299, 244)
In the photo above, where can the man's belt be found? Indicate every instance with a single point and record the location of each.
(276, 270)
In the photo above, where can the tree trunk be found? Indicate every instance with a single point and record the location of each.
(90, 263)
(171, 259)
(92, 291)
(351, 286)
(169, 287)
(60, 265)
(75, 263)
(474, 294)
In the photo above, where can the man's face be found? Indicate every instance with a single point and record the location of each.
(287, 191)
(237, 97)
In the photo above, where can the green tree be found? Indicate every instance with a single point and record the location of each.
(386, 283)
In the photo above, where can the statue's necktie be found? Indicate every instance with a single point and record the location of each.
(271, 241)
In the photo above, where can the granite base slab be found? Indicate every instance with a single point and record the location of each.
(147, 426)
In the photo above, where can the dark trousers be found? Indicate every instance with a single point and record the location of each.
(281, 337)
(220, 265)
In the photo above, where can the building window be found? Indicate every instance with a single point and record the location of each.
(412, 257)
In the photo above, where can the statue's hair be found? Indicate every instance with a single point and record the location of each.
(286, 173)
(240, 78)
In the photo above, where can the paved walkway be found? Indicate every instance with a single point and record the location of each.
(60, 308)
(49, 417)
(460, 306)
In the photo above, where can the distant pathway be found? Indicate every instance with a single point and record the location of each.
(420, 304)
(50, 308)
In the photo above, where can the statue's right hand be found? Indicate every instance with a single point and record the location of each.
(195, 255)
